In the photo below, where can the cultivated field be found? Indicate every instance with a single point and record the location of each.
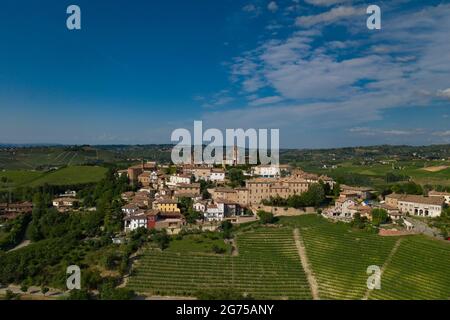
(268, 265)
(65, 176)
(420, 171)
(418, 270)
(37, 157)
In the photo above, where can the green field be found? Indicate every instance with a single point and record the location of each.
(340, 256)
(268, 265)
(418, 270)
(377, 172)
(34, 158)
(65, 176)
(198, 243)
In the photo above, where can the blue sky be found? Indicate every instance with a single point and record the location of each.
(138, 70)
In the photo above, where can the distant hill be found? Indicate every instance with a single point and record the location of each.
(42, 157)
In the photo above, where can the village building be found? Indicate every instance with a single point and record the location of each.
(176, 179)
(267, 171)
(416, 205)
(217, 175)
(145, 179)
(201, 173)
(155, 219)
(445, 195)
(13, 210)
(361, 192)
(135, 171)
(64, 204)
(188, 188)
(213, 213)
(127, 196)
(166, 205)
(200, 206)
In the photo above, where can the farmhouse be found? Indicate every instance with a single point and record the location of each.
(154, 219)
(361, 192)
(64, 204)
(416, 205)
(446, 195)
(13, 210)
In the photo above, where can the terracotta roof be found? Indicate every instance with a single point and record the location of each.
(438, 201)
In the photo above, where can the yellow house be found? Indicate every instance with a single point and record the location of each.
(166, 205)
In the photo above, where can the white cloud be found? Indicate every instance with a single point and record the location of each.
(266, 100)
(249, 8)
(272, 6)
(444, 93)
(335, 14)
(442, 133)
(326, 2)
(344, 84)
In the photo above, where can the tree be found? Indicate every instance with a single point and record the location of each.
(109, 292)
(79, 295)
(226, 227)
(162, 239)
(379, 216)
(266, 217)
(236, 177)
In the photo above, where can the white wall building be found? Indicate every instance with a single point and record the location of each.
(217, 175)
(176, 179)
(267, 171)
(213, 213)
(134, 222)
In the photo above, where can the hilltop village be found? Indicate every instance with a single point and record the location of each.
(171, 197)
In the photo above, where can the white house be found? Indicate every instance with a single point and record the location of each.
(213, 213)
(135, 221)
(416, 205)
(177, 179)
(267, 171)
(199, 206)
(217, 175)
(130, 209)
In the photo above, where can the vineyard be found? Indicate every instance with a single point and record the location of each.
(339, 256)
(268, 266)
(418, 270)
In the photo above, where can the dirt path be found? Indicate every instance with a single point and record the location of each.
(385, 265)
(34, 293)
(305, 263)
(234, 247)
(23, 244)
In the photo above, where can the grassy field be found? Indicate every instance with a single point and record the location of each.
(18, 177)
(34, 158)
(200, 243)
(267, 266)
(418, 171)
(65, 176)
